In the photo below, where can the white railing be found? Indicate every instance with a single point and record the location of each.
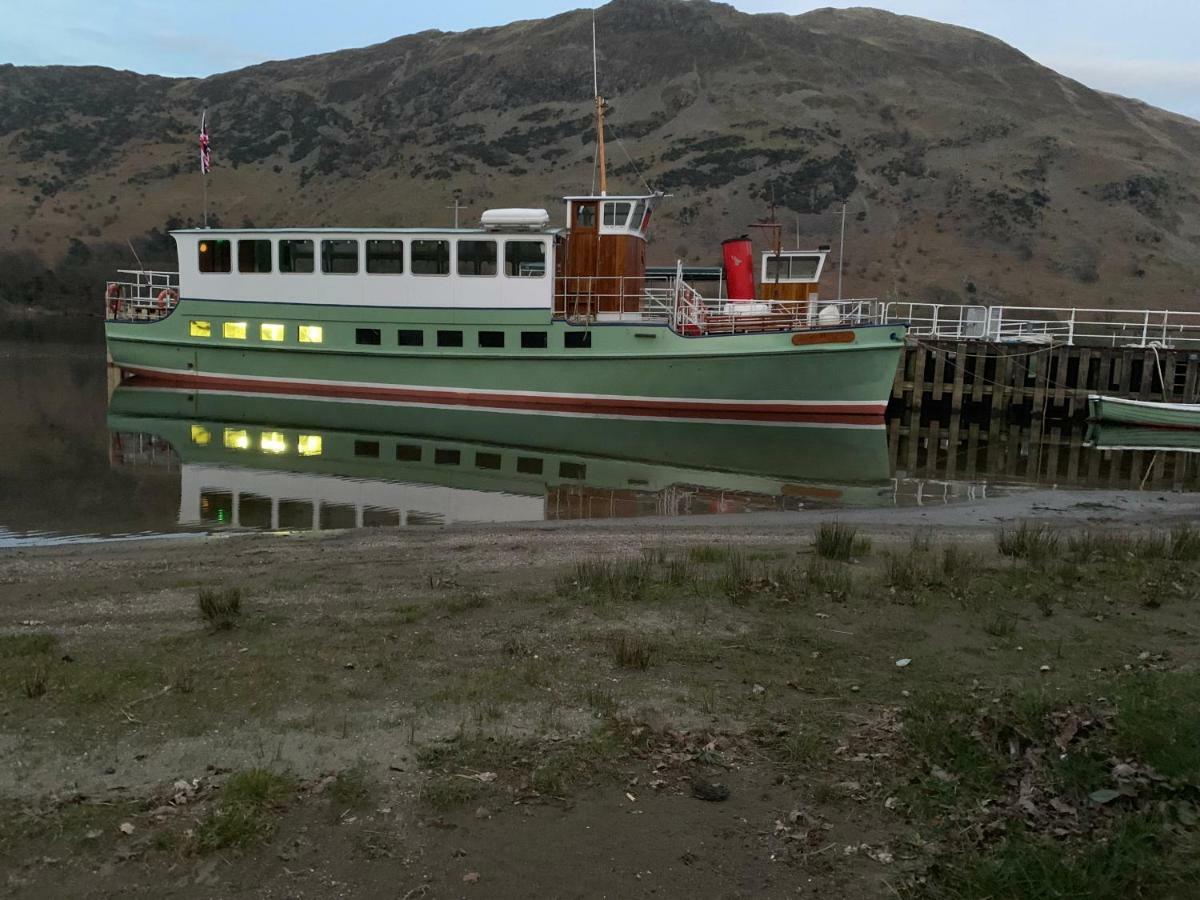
(141, 294)
(1034, 324)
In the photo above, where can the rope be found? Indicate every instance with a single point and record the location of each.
(638, 171)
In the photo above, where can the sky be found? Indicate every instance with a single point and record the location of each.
(1144, 50)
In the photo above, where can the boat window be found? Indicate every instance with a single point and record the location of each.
(408, 337)
(371, 336)
(529, 465)
(254, 256)
(198, 328)
(272, 442)
(431, 257)
(443, 456)
(366, 448)
(235, 331)
(491, 339)
(792, 267)
(585, 215)
(572, 470)
(236, 439)
(449, 339)
(339, 257)
(201, 436)
(385, 257)
(524, 259)
(309, 445)
(577, 340)
(639, 211)
(805, 266)
(533, 340)
(296, 256)
(311, 334)
(487, 460)
(408, 452)
(270, 331)
(476, 257)
(214, 256)
(616, 214)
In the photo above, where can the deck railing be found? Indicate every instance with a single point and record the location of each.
(141, 295)
(1064, 325)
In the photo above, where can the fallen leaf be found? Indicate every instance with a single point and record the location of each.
(1104, 795)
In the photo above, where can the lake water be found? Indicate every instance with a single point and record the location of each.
(82, 458)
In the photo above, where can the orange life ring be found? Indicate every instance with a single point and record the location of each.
(166, 295)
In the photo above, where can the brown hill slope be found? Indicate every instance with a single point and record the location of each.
(970, 171)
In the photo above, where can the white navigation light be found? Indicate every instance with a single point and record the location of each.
(515, 219)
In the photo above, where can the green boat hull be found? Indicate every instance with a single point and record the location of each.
(1120, 411)
(836, 376)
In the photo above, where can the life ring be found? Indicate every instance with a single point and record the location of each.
(113, 295)
(165, 296)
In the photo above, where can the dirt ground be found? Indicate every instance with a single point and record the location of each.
(873, 709)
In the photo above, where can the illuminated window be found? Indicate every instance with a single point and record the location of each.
(309, 445)
(270, 332)
(214, 256)
(236, 439)
(196, 328)
(201, 435)
(234, 330)
(311, 334)
(272, 442)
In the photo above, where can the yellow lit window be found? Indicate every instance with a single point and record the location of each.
(235, 330)
(237, 439)
(201, 435)
(196, 328)
(272, 442)
(311, 334)
(269, 332)
(309, 445)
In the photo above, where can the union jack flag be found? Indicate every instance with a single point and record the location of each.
(205, 149)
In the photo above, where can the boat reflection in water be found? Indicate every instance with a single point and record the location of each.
(299, 462)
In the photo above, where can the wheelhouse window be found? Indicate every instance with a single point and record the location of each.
(339, 257)
(385, 257)
(616, 214)
(476, 257)
(639, 214)
(585, 215)
(296, 256)
(792, 267)
(254, 256)
(431, 257)
(524, 259)
(214, 256)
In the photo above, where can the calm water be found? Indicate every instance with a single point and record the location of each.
(80, 460)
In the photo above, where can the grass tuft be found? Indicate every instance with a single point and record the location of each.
(631, 651)
(246, 810)
(1034, 543)
(841, 542)
(35, 681)
(220, 608)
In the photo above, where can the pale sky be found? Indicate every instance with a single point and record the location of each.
(1144, 50)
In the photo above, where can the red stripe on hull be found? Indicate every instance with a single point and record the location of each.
(823, 413)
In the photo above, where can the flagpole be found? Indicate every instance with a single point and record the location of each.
(204, 166)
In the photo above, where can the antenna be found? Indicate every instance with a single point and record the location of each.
(456, 207)
(600, 163)
(842, 250)
(595, 64)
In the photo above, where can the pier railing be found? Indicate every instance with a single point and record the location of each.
(141, 295)
(1058, 325)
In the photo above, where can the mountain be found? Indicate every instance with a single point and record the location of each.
(970, 172)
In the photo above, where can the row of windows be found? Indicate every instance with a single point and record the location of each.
(473, 258)
(276, 443)
(274, 332)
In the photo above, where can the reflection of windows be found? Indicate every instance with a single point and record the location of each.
(236, 439)
(529, 465)
(311, 334)
(524, 259)
(476, 257)
(338, 515)
(533, 340)
(295, 514)
(385, 257)
(616, 214)
(295, 256)
(408, 452)
(487, 460)
(572, 470)
(197, 328)
(309, 445)
(235, 331)
(339, 257)
(443, 456)
(269, 331)
(216, 506)
(214, 256)
(409, 337)
(431, 257)
(254, 256)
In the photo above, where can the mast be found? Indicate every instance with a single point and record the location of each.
(600, 162)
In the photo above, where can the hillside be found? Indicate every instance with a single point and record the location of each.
(970, 171)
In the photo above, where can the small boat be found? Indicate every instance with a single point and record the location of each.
(1125, 437)
(1144, 413)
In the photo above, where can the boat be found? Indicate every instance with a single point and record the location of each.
(511, 314)
(292, 462)
(1101, 436)
(1144, 413)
